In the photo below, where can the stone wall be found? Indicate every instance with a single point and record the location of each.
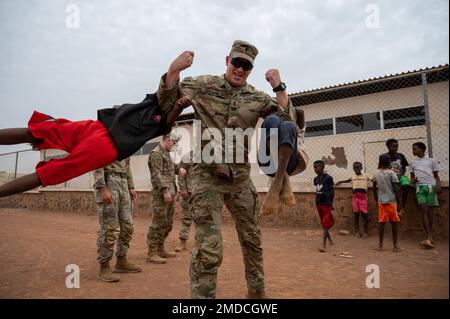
(303, 214)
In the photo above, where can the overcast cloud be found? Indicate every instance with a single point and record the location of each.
(122, 48)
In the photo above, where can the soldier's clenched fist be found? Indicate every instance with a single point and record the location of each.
(273, 77)
(182, 62)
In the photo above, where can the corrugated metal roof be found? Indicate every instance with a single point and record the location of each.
(371, 86)
(384, 77)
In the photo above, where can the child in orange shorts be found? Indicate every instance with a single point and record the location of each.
(386, 193)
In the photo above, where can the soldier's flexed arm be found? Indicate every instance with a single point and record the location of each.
(181, 62)
(170, 96)
(274, 78)
(281, 105)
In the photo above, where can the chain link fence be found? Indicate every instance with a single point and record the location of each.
(352, 122)
(344, 124)
(16, 164)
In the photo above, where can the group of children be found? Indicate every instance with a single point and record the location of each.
(390, 190)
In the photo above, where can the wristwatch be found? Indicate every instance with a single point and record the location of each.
(280, 87)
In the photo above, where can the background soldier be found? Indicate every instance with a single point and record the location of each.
(114, 192)
(162, 170)
(185, 184)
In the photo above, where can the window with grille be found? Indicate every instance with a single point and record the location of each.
(411, 116)
(319, 128)
(358, 123)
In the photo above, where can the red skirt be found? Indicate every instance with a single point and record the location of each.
(88, 143)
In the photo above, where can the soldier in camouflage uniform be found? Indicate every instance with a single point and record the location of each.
(162, 171)
(226, 102)
(185, 185)
(114, 193)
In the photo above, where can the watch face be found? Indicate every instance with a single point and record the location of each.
(280, 87)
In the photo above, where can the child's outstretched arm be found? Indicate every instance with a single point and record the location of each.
(344, 181)
(300, 117)
(438, 182)
(10, 136)
(397, 195)
(181, 104)
(413, 178)
(20, 185)
(374, 189)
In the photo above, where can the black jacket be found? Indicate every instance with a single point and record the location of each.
(132, 125)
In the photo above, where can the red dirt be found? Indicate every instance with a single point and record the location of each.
(35, 248)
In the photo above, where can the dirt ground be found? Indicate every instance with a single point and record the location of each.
(36, 247)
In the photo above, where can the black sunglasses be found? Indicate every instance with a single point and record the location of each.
(239, 62)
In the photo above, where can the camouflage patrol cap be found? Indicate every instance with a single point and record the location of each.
(171, 136)
(174, 137)
(245, 50)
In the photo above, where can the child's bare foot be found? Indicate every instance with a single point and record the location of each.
(272, 200)
(286, 194)
(427, 243)
(322, 249)
(379, 248)
(331, 242)
(397, 249)
(271, 203)
(364, 236)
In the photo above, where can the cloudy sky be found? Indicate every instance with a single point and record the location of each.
(117, 50)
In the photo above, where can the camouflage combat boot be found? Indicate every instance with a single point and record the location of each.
(152, 256)
(182, 246)
(162, 252)
(122, 265)
(105, 273)
(257, 295)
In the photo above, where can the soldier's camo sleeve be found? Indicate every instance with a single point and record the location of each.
(178, 166)
(99, 178)
(155, 164)
(182, 183)
(129, 175)
(182, 164)
(189, 87)
(167, 96)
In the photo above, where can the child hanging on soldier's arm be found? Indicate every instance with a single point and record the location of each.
(386, 193)
(117, 134)
(360, 183)
(289, 144)
(324, 201)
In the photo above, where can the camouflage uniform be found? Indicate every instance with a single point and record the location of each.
(185, 184)
(219, 105)
(162, 170)
(116, 222)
